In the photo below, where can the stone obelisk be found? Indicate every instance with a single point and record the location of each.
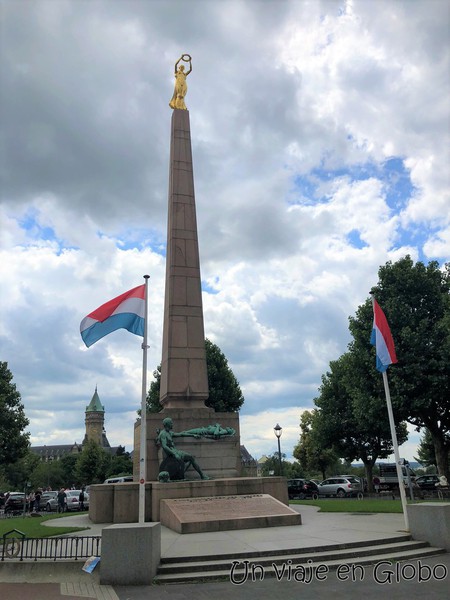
(184, 380)
(184, 377)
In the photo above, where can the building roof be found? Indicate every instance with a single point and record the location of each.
(95, 405)
(56, 451)
(59, 450)
(246, 456)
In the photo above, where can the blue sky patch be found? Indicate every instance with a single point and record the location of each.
(355, 240)
(209, 288)
(396, 180)
(37, 232)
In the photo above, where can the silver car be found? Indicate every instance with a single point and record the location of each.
(340, 486)
(72, 500)
(49, 501)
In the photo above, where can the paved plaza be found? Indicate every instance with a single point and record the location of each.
(415, 579)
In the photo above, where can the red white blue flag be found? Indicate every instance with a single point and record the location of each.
(127, 311)
(381, 338)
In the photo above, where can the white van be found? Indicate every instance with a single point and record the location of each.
(124, 479)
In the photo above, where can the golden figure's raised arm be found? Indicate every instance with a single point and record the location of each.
(185, 58)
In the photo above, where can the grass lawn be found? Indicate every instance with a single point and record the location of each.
(366, 505)
(369, 505)
(32, 526)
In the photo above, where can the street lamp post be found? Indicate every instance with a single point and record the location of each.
(278, 431)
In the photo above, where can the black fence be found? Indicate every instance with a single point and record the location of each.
(17, 546)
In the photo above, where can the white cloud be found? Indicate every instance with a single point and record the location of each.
(296, 110)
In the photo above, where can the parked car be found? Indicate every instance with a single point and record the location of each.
(72, 500)
(340, 486)
(362, 481)
(427, 482)
(49, 501)
(302, 488)
(15, 502)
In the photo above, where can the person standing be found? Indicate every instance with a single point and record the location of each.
(81, 500)
(62, 500)
(37, 500)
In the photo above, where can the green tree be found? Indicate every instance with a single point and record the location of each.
(68, 466)
(313, 456)
(14, 442)
(288, 469)
(352, 415)
(47, 474)
(153, 405)
(416, 301)
(21, 471)
(225, 394)
(120, 464)
(90, 466)
(426, 455)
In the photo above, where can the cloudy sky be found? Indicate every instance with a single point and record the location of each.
(320, 134)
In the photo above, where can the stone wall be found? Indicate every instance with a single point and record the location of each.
(118, 503)
(217, 458)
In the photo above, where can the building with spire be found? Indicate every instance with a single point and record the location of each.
(95, 430)
(95, 422)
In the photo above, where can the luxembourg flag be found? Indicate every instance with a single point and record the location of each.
(381, 338)
(127, 311)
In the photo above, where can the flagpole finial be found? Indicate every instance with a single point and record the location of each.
(146, 276)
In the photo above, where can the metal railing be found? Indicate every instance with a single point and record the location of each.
(17, 546)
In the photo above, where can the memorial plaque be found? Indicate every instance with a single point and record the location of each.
(224, 513)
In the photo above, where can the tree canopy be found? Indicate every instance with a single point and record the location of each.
(416, 301)
(225, 394)
(352, 414)
(426, 455)
(313, 455)
(14, 441)
(289, 470)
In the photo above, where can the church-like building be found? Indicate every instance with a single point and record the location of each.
(95, 430)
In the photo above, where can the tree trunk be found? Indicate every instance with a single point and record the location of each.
(442, 453)
(369, 475)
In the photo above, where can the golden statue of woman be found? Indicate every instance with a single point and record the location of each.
(180, 83)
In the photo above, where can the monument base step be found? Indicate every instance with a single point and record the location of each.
(225, 513)
(277, 563)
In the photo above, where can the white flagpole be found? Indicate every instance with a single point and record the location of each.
(398, 466)
(396, 452)
(143, 434)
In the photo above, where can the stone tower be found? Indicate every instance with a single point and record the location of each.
(95, 422)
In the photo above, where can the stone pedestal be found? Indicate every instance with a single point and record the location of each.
(101, 503)
(217, 458)
(118, 502)
(430, 522)
(125, 496)
(130, 554)
(225, 513)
